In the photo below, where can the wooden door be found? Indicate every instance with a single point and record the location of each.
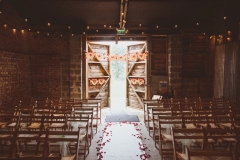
(136, 76)
(98, 73)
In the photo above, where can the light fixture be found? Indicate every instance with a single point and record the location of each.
(69, 27)
(48, 24)
(0, 12)
(61, 35)
(29, 29)
(5, 25)
(26, 20)
(14, 30)
(140, 25)
(83, 32)
(224, 18)
(87, 27)
(175, 26)
(22, 31)
(156, 26)
(197, 24)
(48, 34)
(204, 33)
(142, 33)
(104, 25)
(72, 34)
(38, 32)
(96, 30)
(110, 26)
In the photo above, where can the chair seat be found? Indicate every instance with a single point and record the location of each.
(34, 126)
(167, 137)
(57, 125)
(190, 126)
(68, 157)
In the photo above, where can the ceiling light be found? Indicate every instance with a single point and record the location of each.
(104, 26)
(37, 31)
(87, 27)
(5, 25)
(122, 13)
(48, 24)
(130, 38)
(72, 34)
(197, 24)
(204, 33)
(0, 12)
(83, 32)
(26, 20)
(69, 27)
(96, 30)
(14, 30)
(175, 26)
(140, 25)
(48, 34)
(29, 29)
(110, 26)
(224, 18)
(156, 26)
(61, 35)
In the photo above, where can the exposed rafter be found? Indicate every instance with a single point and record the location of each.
(123, 13)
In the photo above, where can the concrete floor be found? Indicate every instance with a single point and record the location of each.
(147, 140)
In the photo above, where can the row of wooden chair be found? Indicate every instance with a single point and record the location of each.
(12, 140)
(198, 142)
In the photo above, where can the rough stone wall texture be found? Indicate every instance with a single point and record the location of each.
(48, 62)
(175, 64)
(14, 61)
(219, 70)
(75, 66)
(14, 77)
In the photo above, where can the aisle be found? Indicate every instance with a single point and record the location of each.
(146, 140)
(122, 141)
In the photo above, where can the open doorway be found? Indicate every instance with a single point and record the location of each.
(118, 74)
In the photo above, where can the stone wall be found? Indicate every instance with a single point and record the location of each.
(175, 64)
(14, 61)
(47, 56)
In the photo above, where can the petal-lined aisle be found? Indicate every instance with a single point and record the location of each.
(121, 141)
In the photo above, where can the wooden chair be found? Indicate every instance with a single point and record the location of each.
(82, 122)
(67, 136)
(86, 111)
(148, 114)
(194, 154)
(19, 156)
(164, 133)
(96, 112)
(185, 137)
(153, 119)
(224, 138)
(145, 108)
(7, 144)
(33, 138)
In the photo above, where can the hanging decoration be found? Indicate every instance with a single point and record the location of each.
(132, 57)
(95, 81)
(139, 81)
(101, 81)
